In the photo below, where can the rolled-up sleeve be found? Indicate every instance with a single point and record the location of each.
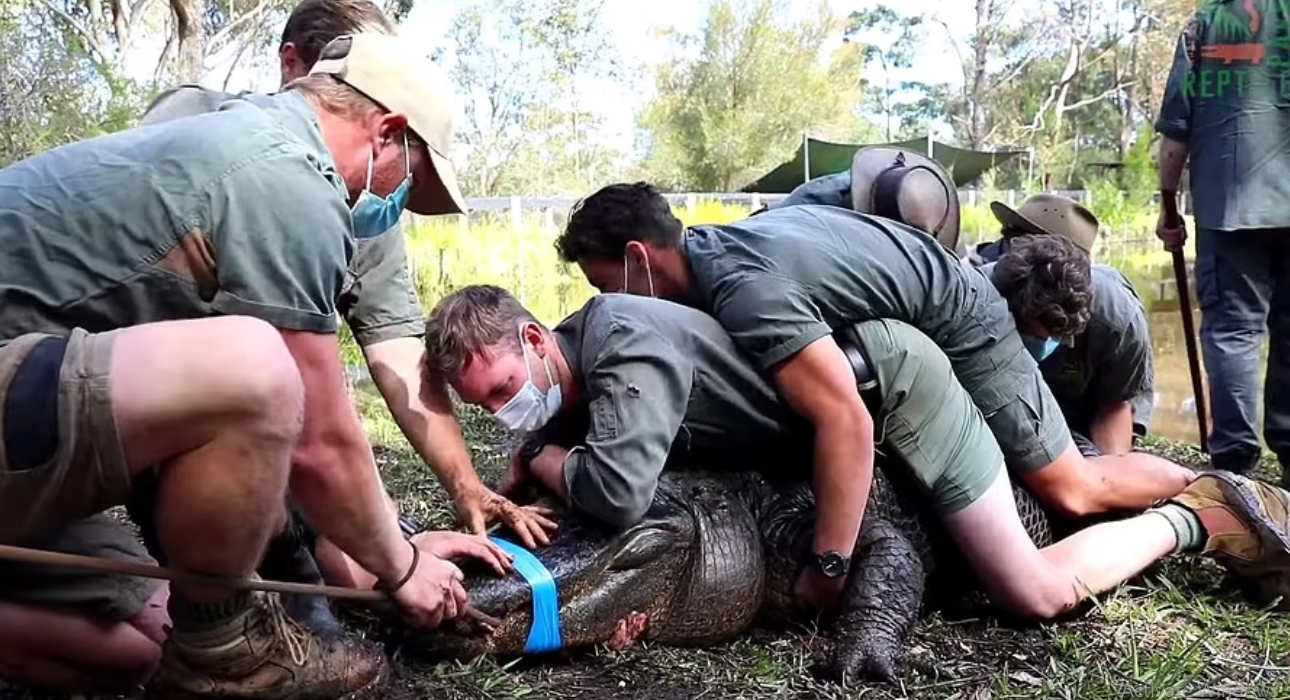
(637, 394)
(282, 240)
(1175, 107)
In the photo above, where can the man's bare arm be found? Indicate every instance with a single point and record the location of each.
(819, 384)
(1112, 429)
(334, 474)
(1173, 159)
(423, 411)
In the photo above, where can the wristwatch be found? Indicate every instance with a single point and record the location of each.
(409, 525)
(832, 564)
(529, 451)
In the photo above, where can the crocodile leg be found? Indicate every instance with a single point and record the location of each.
(881, 603)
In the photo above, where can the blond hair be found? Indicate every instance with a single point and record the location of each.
(469, 321)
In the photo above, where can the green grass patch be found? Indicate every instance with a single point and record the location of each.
(1176, 632)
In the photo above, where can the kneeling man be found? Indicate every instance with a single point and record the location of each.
(1103, 377)
(655, 384)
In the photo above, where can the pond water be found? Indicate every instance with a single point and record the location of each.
(1175, 406)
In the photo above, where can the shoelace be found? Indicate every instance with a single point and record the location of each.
(293, 635)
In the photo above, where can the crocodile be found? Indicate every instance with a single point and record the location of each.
(717, 552)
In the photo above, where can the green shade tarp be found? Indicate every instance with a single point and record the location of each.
(827, 158)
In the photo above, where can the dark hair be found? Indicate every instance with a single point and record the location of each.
(601, 225)
(468, 321)
(1046, 280)
(314, 23)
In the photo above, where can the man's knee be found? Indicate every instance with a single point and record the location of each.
(86, 629)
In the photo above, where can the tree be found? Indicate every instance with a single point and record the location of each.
(748, 97)
(519, 67)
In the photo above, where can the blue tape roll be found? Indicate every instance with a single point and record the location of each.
(544, 635)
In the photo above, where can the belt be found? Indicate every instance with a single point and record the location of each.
(866, 382)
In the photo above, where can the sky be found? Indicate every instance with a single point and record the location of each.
(635, 28)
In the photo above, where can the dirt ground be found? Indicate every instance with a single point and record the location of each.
(1176, 632)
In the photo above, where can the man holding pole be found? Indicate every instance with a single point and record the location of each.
(108, 249)
(1234, 134)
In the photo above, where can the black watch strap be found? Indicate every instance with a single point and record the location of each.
(531, 448)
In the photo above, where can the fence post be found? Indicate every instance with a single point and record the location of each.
(756, 201)
(1012, 198)
(692, 201)
(517, 229)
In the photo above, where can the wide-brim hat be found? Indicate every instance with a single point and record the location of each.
(908, 187)
(1049, 214)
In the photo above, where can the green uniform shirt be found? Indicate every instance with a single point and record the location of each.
(785, 278)
(1109, 362)
(832, 190)
(236, 212)
(1227, 99)
(662, 385)
(377, 300)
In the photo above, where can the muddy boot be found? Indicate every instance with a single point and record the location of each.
(1247, 526)
(260, 654)
(290, 557)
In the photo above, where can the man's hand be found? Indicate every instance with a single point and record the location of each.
(433, 593)
(451, 545)
(814, 591)
(1172, 231)
(479, 507)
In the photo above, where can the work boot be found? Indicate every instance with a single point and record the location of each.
(290, 557)
(264, 654)
(1247, 525)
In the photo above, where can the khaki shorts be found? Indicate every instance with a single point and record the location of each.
(927, 419)
(55, 484)
(103, 595)
(1030, 428)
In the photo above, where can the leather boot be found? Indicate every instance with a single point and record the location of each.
(263, 654)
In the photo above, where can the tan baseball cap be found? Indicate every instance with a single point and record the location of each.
(390, 71)
(1049, 214)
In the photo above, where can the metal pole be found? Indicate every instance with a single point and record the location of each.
(806, 158)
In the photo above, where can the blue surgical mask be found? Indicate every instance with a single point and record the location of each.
(373, 215)
(1040, 348)
(530, 409)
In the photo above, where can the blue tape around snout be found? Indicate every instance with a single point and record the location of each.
(544, 635)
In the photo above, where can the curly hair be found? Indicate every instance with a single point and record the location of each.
(1047, 280)
(468, 321)
(601, 225)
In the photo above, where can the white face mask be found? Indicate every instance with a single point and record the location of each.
(530, 409)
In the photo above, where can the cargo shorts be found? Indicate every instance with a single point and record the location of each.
(1029, 426)
(926, 419)
(61, 467)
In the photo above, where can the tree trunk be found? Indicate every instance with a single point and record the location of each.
(188, 31)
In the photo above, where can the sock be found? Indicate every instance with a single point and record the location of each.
(1186, 524)
(197, 617)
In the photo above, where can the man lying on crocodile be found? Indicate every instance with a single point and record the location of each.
(628, 387)
(782, 282)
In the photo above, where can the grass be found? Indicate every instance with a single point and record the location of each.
(1177, 632)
